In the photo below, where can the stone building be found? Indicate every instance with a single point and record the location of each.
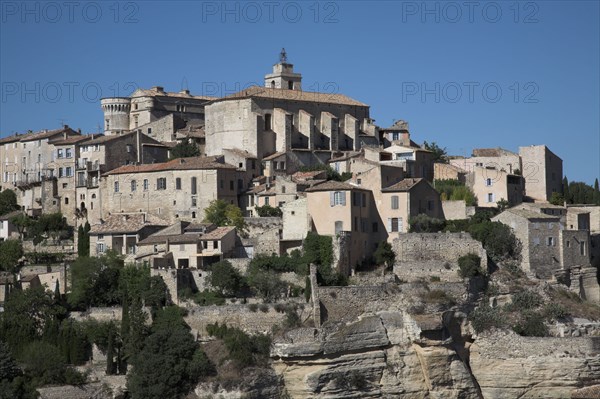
(446, 171)
(179, 189)
(122, 232)
(550, 251)
(350, 218)
(491, 185)
(416, 162)
(495, 158)
(124, 114)
(406, 199)
(542, 170)
(305, 127)
(7, 229)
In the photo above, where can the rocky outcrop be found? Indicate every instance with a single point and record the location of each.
(379, 355)
(509, 366)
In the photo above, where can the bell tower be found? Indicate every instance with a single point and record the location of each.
(283, 76)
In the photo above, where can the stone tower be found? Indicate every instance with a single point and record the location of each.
(283, 76)
(116, 114)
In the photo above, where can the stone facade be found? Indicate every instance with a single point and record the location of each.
(542, 170)
(456, 210)
(421, 255)
(492, 185)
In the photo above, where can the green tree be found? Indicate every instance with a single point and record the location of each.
(557, 199)
(184, 149)
(169, 365)
(22, 223)
(266, 284)
(596, 192)
(26, 315)
(8, 202)
(95, 281)
(469, 266)
(268, 211)
(384, 254)
(10, 253)
(425, 224)
(439, 154)
(8, 365)
(566, 192)
(225, 278)
(502, 204)
(221, 213)
(497, 239)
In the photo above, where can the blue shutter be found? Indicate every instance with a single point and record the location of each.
(343, 193)
(331, 198)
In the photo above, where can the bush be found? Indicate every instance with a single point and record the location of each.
(525, 300)
(497, 239)
(264, 308)
(244, 350)
(425, 224)
(384, 255)
(225, 278)
(253, 307)
(292, 320)
(555, 311)
(268, 211)
(439, 297)
(207, 298)
(531, 325)
(469, 266)
(485, 317)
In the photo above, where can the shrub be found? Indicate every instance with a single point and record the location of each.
(497, 239)
(268, 211)
(439, 297)
(243, 348)
(207, 298)
(384, 255)
(531, 325)
(225, 278)
(263, 307)
(469, 266)
(555, 311)
(425, 224)
(280, 308)
(253, 307)
(292, 320)
(524, 300)
(434, 279)
(485, 317)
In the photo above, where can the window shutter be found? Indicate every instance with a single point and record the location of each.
(331, 198)
(343, 198)
(389, 226)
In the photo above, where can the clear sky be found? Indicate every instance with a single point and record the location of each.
(465, 74)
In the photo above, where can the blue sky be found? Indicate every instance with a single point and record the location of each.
(463, 74)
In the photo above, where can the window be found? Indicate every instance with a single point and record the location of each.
(116, 187)
(282, 189)
(216, 244)
(69, 171)
(550, 241)
(145, 184)
(355, 223)
(149, 130)
(194, 202)
(231, 185)
(182, 247)
(394, 224)
(107, 124)
(568, 244)
(358, 181)
(155, 248)
(68, 153)
(339, 226)
(490, 197)
(59, 153)
(129, 148)
(338, 198)
(253, 164)
(488, 182)
(178, 184)
(394, 202)
(161, 183)
(193, 215)
(133, 185)
(267, 121)
(550, 225)
(39, 158)
(222, 183)
(375, 227)
(60, 172)
(66, 200)
(266, 200)
(582, 248)
(430, 205)
(363, 200)
(100, 248)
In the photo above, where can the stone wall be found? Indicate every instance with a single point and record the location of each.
(100, 314)
(421, 255)
(237, 315)
(263, 235)
(456, 210)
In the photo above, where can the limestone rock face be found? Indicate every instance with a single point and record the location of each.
(509, 366)
(373, 357)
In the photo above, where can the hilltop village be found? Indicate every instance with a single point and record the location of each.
(346, 258)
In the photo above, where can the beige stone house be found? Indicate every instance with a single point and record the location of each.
(495, 158)
(447, 171)
(347, 213)
(416, 162)
(406, 199)
(492, 185)
(7, 229)
(179, 189)
(542, 170)
(121, 232)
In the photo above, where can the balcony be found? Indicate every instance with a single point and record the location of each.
(89, 166)
(87, 183)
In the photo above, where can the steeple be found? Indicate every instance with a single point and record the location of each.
(283, 76)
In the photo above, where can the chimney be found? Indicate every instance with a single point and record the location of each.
(182, 161)
(65, 127)
(143, 218)
(184, 92)
(159, 89)
(79, 130)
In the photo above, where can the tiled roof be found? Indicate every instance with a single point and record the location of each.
(42, 134)
(70, 140)
(155, 92)
(273, 156)
(191, 163)
(293, 95)
(345, 156)
(10, 215)
(101, 139)
(126, 223)
(173, 239)
(303, 176)
(332, 185)
(403, 185)
(527, 214)
(217, 233)
(241, 153)
(491, 152)
(190, 130)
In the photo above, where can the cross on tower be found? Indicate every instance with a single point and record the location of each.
(283, 56)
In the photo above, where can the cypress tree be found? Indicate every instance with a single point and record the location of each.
(86, 231)
(596, 193)
(110, 366)
(566, 193)
(125, 328)
(80, 241)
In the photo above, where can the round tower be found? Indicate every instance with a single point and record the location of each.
(116, 114)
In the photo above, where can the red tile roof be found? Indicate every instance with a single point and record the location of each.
(175, 164)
